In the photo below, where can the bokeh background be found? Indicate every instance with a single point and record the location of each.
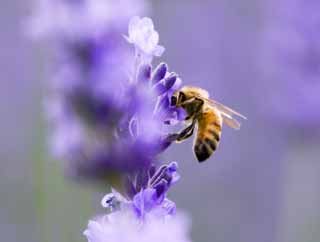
(263, 182)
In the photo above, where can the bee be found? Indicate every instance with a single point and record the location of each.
(208, 115)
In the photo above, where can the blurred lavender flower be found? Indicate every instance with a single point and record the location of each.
(106, 105)
(148, 212)
(82, 19)
(292, 62)
(122, 227)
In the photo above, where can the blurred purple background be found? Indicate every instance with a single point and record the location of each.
(262, 183)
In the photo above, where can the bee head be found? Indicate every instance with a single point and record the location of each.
(177, 98)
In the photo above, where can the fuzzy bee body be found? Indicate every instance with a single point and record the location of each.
(208, 115)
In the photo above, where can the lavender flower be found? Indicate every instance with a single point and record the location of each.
(145, 192)
(106, 105)
(292, 63)
(147, 216)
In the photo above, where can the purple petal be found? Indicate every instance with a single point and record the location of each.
(162, 104)
(161, 188)
(160, 88)
(173, 167)
(169, 206)
(170, 81)
(158, 175)
(159, 73)
(177, 85)
(144, 201)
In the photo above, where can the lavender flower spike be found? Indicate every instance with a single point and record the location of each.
(148, 213)
(106, 106)
(139, 205)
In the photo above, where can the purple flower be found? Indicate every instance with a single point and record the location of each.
(164, 84)
(292, 63)
(145, 192)
(152, 195)
(106, 106)
(147, 216)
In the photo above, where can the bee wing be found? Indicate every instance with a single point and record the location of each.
(225, 109)
(227, 113)
(231, 122)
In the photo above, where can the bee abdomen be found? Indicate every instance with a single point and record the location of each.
(204, 148)
(214, 134)
(208, 137)
(202, 151)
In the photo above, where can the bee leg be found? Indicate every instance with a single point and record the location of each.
(182, 135)
(186, 133)
(171, 137)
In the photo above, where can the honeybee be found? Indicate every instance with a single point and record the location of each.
(208, 115)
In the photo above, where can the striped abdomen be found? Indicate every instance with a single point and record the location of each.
(209, 133)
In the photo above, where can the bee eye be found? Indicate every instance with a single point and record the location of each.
(173, 101)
